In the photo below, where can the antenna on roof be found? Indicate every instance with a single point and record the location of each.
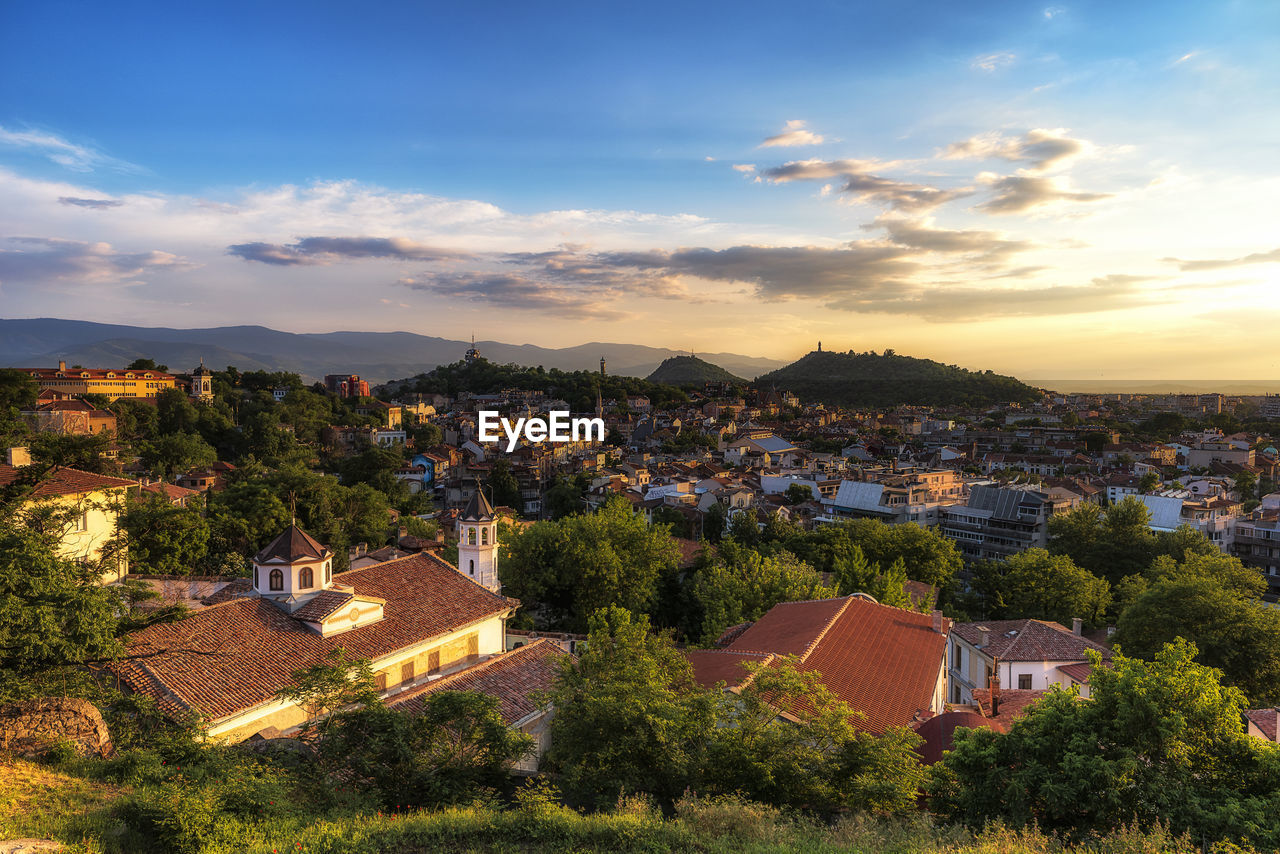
(293, 508)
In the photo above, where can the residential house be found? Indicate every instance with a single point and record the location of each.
(1021, 654)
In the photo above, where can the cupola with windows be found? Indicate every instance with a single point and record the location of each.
(293, 568)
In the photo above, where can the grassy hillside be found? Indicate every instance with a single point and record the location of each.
(690, 370)
(872, 380)
(252, 814)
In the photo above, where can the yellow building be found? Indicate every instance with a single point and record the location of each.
(416, 619)
(94, 501)
(110, 383)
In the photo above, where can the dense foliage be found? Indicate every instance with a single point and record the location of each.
(871, 380)
(577, 388)
(691, 371)
(1160, 741)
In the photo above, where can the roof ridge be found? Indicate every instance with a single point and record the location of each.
(808, 650)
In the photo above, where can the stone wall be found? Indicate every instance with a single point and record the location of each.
(31, 727)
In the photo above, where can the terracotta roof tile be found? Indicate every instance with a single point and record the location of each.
(1029, 640)
(322, 605)
(885, 662)
(514, 677)
(62, 480)
(939, 732)
(1267, 720)
(721, 665)
(229, 657)
(292, 544)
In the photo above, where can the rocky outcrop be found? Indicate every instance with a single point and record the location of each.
(32, 727)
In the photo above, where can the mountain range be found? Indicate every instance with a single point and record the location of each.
(375, 356)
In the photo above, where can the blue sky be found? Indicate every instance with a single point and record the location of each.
(967, 181)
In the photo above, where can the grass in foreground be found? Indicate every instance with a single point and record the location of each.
(95, 816)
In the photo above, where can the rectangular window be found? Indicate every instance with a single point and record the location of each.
(433, 661)
(380, 681)
(406, 672)
(1024, 681)
(82, 522)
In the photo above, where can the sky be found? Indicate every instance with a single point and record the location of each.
(1062, 190)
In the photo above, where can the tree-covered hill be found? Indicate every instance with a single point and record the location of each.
(578, 388)
(691, 371)
(874, 380)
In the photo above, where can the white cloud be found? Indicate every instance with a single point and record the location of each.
(77, 158)
(992, 61)
(795, 134)
(1041, 148)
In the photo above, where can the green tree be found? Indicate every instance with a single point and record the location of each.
(1042, 586)
(814, 758)
(87, 452)
(566, 570)
(1215, 605)
(798, 493)
(175, 413)
(629, 716)
(1160, 741)
(426, 435)
(55, 615)
(17, 389)
(174, 453)
(564, 498)
(502, 486)
(164, 539)
(739, 585)
(1149, 483)
(1111, 543)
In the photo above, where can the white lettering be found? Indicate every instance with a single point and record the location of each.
(594, 428)
(488, 424)
(559, 428)
(513, 435)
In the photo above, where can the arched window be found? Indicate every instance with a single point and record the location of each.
(256, 583)
(277, 579)
(305, 578)
(328, 572)
(484, 536)
(471, 536)
(473, 566)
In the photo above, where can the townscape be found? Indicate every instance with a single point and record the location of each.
(342, 568)
(602, 428)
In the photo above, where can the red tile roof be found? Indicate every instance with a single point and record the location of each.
(515, 678)
(322, 605)
(1267, 720)
(171, 491)
(885, 662)
(293, 544)
(939, 732)
(721, 665)
(62, 480)
(1029, 640)
(230, 657)
(1012, 702)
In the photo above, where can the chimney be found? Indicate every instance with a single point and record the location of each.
(995, 691)
(984, 637)
(62, 364)
(18, 457)
(1077, 626)
(937, 621)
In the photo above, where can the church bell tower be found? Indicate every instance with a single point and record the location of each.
(478, 542)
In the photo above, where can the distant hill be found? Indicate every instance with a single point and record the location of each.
(690, 370)
(377, 356)
(871, 380)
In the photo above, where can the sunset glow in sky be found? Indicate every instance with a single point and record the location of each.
(1048, 190)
